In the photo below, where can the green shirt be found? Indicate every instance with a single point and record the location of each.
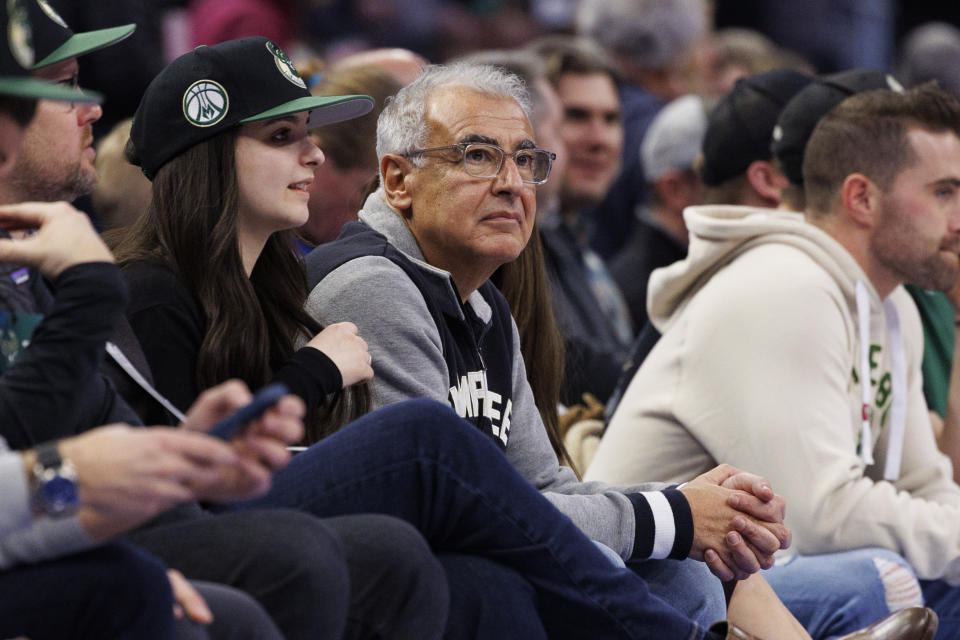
(937, 316)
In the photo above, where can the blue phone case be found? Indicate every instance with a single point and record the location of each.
(237, 421)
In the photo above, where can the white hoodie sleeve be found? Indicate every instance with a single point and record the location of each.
(756, 372)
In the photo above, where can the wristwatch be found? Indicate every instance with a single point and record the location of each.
(54, 487)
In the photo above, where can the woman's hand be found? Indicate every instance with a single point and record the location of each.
(347, 349)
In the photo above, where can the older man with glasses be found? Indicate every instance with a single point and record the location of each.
(459, 168)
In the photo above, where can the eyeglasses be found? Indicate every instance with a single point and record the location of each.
(482, 160)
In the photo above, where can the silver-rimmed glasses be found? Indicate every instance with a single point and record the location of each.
(483, 160)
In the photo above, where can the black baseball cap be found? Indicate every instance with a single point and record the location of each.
(212, 89)
(55, 42)
(17, 57)
(740, 126)
(803, 112)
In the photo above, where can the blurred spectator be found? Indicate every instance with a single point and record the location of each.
(652, 41)
(590, 310)
(123, 192)
(831, 34)
(404, 65)
(342, 27)
(213, 21)
(349, 148)
(931, 52)
(659, 238)
(745, 52)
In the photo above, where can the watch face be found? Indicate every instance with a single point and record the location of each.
(60, 494)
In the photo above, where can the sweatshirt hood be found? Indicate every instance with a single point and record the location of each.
(720, 233)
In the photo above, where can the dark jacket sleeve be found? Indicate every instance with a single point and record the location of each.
(54, 389)
(310, 374)
(170, 326)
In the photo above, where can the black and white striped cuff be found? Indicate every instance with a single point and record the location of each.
(664, 525)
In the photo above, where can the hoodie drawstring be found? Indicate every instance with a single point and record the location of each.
(863, 319)
(898, 404)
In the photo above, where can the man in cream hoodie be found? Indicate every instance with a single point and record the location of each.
(763, 363)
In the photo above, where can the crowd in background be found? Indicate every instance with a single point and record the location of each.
(727, 196)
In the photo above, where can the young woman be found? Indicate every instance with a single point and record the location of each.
(216, 291)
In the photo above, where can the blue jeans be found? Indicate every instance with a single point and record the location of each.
(418, 461)
(945, 600)
(836, 593)
(688, 585)
(489, 600)
(116, 591)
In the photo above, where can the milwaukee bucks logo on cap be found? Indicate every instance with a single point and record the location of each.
(53, 15)
(285, 65)
(205, 103)
(19, 34)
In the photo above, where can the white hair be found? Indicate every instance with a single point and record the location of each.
(650, 32)
(401, 127)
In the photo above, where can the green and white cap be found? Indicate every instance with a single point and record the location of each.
(18, 56)
(214, 88)
(55, 42)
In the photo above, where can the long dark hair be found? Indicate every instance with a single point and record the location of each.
(525, 285)
(190, 226)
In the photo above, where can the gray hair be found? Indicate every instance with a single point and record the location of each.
(652, 33)
(526, 65)
(402, 128)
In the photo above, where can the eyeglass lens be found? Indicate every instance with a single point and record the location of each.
(485, 161)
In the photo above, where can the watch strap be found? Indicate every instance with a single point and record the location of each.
(48, 455)
(54, 490)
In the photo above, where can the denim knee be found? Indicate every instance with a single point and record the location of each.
(687, 585)
(836, 593)
(419, 418)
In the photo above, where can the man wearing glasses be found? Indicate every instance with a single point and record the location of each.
(457, 201)
(459, 168)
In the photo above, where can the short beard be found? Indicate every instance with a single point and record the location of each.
(892, 247)
(931, 274)
(31, 185)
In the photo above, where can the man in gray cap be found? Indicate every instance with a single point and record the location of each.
(668, 151)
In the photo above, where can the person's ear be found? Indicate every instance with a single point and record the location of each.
(860, 198)
(677, 189)
(767, 181)
(397, 175)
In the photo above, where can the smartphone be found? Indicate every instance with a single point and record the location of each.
(240, 419)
